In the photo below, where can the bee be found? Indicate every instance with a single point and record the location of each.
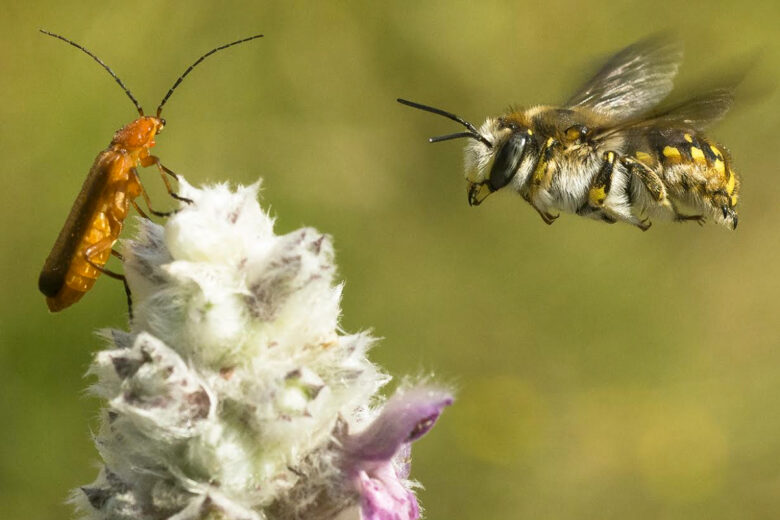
(608, 153)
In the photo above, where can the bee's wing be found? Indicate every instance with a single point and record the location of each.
(633, 81)
(698, 112)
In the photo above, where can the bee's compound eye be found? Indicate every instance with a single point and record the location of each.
(504, 124)
(576, 132)
(507, 161)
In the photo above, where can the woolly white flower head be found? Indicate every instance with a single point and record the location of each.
(234, 395)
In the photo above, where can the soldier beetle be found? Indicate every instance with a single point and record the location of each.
(95, 221)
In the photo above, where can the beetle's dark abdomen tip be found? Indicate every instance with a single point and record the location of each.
(50, 283)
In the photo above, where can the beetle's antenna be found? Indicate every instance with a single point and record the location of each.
(473, 133)
(189, 69)
(113, 75)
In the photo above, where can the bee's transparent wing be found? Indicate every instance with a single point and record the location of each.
(698, 112)
(633, 81)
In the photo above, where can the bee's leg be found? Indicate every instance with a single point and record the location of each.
(599, 191)
(542, 177)
(599, 188)
(730, 215)
(657, 190)
(679, 217)
(652, 183)
(725, 203)
(650, 180)
(546, 217)
(699, 219)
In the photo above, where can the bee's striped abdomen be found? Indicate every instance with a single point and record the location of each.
(696, 172)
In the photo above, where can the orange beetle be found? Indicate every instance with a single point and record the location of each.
(95, 220)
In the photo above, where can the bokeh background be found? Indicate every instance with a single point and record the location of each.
(602, 372)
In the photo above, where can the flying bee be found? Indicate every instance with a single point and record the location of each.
(607, 154)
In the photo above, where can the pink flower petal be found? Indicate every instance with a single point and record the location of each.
(406, 417)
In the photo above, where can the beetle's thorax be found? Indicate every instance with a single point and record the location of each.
(138, 135)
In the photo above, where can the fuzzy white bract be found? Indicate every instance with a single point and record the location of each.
(235, 395)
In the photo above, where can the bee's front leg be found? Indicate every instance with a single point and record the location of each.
(546, 217)
(542, 178)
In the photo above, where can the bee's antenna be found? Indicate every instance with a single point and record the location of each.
(189, 69)
(473, 133)
(113, 75)
(447, 137)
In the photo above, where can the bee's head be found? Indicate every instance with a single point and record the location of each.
(493, 155)
(489, 169)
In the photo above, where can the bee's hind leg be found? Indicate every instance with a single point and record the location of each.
(651, 181)
(730, 216)
(722, 202)
(654, 186)
(699, 219)
(681, 217)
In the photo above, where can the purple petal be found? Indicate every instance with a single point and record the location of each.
(403, 461)
(384, 497)
(406, 417)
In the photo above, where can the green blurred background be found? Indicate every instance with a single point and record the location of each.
(602, 372)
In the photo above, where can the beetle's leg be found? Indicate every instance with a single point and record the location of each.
(97, 248)
(542, 177)
(89, 253)
(139, 210)
(153, 159)
(147, 201)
